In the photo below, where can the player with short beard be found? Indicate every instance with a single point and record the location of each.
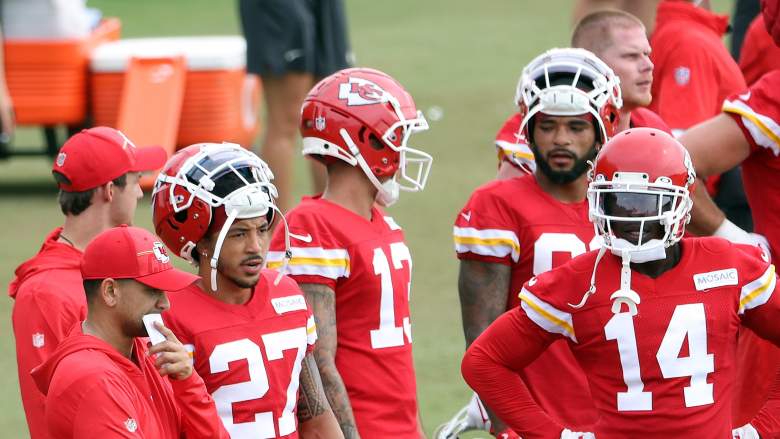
(513, 229)
(249, 329)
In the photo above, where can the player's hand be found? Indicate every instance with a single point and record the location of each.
(733, 233)
(745, 432)
(507, 433)
(568, 434)
(172, 359)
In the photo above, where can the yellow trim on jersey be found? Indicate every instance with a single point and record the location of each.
(491, 242)
(324, 262)
(731, 108)
(560, 324)
(765, 282)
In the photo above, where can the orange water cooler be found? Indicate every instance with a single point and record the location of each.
(219, 102)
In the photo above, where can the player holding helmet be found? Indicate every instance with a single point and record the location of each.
(350, 258)
(651, 317)
(513, 229)
(249, 329)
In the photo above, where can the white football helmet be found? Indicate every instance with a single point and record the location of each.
(569, 82)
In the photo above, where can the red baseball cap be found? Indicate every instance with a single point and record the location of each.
(126, 252)
(95, 156)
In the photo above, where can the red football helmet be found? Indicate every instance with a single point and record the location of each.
(365, 118)
(656, 170)
(208, 186)
(569, 82)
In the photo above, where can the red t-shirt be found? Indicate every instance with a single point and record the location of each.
(693, 72)
(368, 266)
(48, 300)
(644, 117)
(667, 371)
(248, 355)
(514, 222)
(759, 54)
(512, 146)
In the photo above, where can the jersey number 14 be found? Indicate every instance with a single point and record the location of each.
(687, 321)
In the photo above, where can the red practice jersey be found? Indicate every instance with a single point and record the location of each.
(693, 70)
(759, 54)
(248, 355)
(514, 222)
(757, 112)
(667, 371)
(368, 266)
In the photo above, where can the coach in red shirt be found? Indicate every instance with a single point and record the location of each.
(102, 381)
(759, 53)
(694, 72)
(97, 171)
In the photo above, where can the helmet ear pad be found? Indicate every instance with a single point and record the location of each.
(184, 228)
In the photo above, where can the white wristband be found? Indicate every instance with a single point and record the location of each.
(733, 233)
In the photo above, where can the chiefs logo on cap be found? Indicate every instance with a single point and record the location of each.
(160, 253)
(360, 91)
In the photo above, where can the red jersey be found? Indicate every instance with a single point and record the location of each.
(644, 117)
(368, 266)
(514, 222)
(48, 300)
(511, 144)
(759, 54)
(93, 391)
(757, 113)
(667, 371)
(693, 70)
(248, 355)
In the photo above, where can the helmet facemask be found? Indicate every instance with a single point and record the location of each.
(224, 176)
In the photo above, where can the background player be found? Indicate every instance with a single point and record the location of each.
(97, 171)
(510, 230)
(619, 40)
(651, 317)
(249, 329)
(350, 258)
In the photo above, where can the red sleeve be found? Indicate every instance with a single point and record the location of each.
(759, 303)
(40, 321)
(767, 421)
(688, 87)
(484, 230)
(198, 413)
(512, 342)
(317, 256)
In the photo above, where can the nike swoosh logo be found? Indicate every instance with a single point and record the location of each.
(305, 238)
(466, 215)
(532, 281)
(745, 96)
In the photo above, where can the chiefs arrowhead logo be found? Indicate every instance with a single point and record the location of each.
(360, 91)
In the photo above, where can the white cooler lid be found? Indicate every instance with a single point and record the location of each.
(201, 53)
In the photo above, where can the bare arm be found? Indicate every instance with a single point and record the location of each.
(316, 419)
(322, 300)
(483, 288)
(716, 145)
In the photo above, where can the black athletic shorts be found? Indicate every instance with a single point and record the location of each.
(295, 35)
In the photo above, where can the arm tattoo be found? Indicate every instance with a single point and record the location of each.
(311, 399)
(321, 298)
(483, 288)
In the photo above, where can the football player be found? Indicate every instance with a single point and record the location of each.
(619, 40)
(651, 317)
(350, 257)
(747, 132)
(510, 230)
(249, 329)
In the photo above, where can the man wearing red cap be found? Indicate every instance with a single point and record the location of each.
(102, 381)
(97, 171)
(747, 132)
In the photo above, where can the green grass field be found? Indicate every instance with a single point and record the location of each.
(463, 56)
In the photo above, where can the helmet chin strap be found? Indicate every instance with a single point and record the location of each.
(387, 192)
(625, 295)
